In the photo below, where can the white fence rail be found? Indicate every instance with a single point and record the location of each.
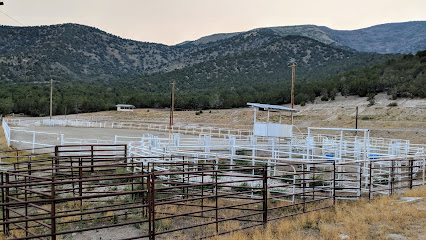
(184, 129)
(24, 139)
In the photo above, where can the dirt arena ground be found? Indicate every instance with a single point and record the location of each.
(407, 120)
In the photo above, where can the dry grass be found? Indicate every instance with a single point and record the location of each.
(3, 142)
(23, 156)
(417, 192)
(362, 219)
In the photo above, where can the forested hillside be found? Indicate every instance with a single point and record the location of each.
(404, 37)
(403, 77)
(261, 66)
(93, 70)
(71, 52)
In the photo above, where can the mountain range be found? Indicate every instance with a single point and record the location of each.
(405, 37)
(94, 70)
(70, 52)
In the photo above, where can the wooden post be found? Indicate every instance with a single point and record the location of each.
(150, 222)
(6, 227)
(173, 101)
(172, 107)
(303, 188)
(80, 184)
(56, 159)
(216, 201)
(334, 184)
(411, 164)
(3, 201)
(370, 187)
(356, 118)
(91, 158)
(52, 211)
(202, 190)
(51, 99)
(293, 66)
(265, 194)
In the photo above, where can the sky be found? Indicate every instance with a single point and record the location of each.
(174, 21)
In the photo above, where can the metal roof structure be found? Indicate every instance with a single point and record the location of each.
(124, 105)
(271, 107)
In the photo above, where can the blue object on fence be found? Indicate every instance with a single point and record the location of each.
(330, 156)
(373, 156)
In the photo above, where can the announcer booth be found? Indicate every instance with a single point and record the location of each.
(269, 129)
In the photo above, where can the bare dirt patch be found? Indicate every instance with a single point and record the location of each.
(107, 234)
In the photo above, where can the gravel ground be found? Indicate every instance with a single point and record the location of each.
(107, 233)
(51, 135)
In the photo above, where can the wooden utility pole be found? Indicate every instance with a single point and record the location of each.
(173, 100)
(356, 118)
(172, 108)
(51, 95)
(293, 66)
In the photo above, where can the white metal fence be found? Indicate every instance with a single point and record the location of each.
(158, 127)
(352, 154)
(6, 130)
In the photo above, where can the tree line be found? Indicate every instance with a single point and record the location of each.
(403, 77)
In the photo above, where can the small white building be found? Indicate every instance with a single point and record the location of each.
(125, 107)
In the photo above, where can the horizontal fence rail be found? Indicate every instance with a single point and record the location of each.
(160, 127)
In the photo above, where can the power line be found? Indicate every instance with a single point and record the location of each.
(12, 18)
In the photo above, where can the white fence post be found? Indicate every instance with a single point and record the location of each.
(176, 140)
(207, 140)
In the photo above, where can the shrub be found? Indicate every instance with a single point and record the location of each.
(324, 98)
(242, 152)
(393, 104)
(243, 187)
(370, 96)
(163, 225)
